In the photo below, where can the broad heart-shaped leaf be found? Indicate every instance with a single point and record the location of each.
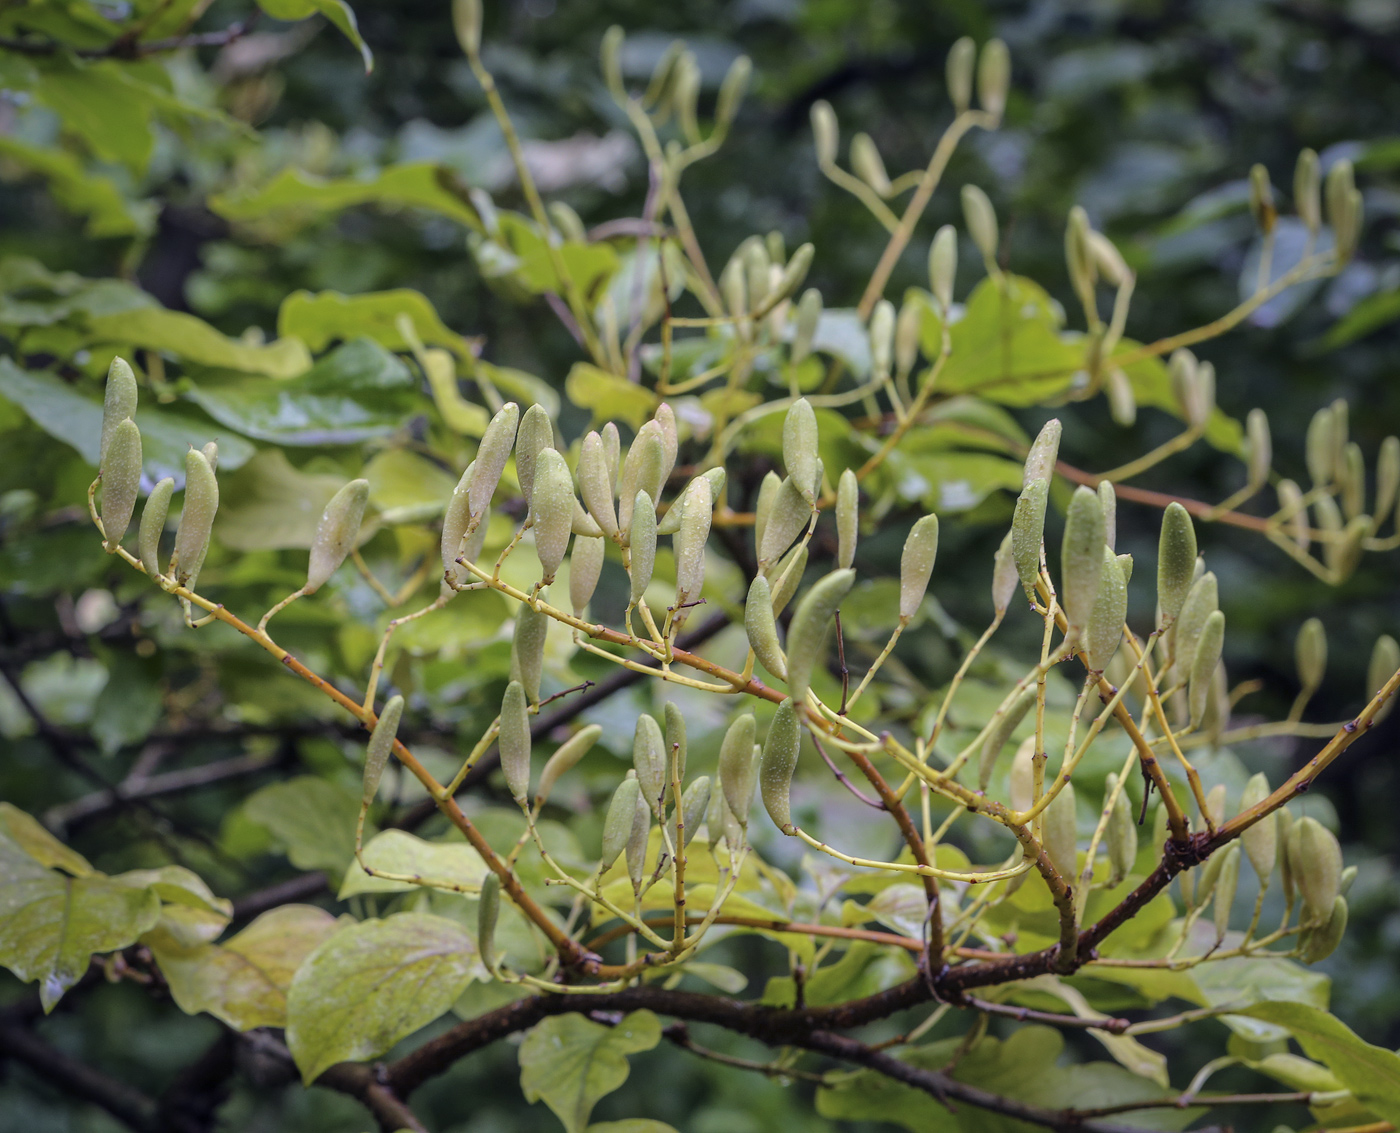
(51, 924)
(373, 983)
(1372, 1073)
(1247, 981)
(176, 885)
(337, 12)
(244, 980)
(270, 505)
(357, 391)
(79, 191)
(113, 117)
(312, 817)
(193, 340)
(609, 396)
(454, 864)
(320, 318)
(406, 487)
(26, 832)
(525, 258)
(569, 1061)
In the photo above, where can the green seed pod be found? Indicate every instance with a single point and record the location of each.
(981, 220)
(916, 565)
(1081, 558)
(1259, 448)
(466, 21)
(1322, 446)
(993, 77)
(622, 815)
(665, 418)
(717, 478)
(763, 506)
(456, 520)
(675, 743)
(644, 470)
(1061, 836)
(612, 449)
(694, 802)
(1387, 478)
(118, 402)
(554, 512)
(1260, 840)
(152, 527)
(121, 481)
(1385, 661)
(943, 266)
(734, 288)
(808, 629)
(1202, 600)
(1122, 402)
(868, 165)
(826, 132)
(1105, 627)
(1207, 657)
(1317, 867)
(882, 339)
(585, 568)
(1108, 259)
(1286, 854)
(1225, 887)
(381, 743)
(689, 543)
(1108, 501)
(1348, 876)
(847, 518)
(491, 457)
(196, 520)
(642, 543)
(1215, 803)
(779, 761)
(719, 823)
(1040, 461)
(1004, 576)
(637, 840)
(800, 445)
(692, 495)
(906, 338)
(731, 90)
(1319, 943)
(962, 59)
(649, 760)
(211, 454)
(809, 316)
(488, 910)
(535, 435)
(737, 767)
(1353, 481)
(789, 512)
(1306, 187)
(1310, 650)
(1121, 834)
(1083, 272)
(792, 275)
(1000, 732)
(527, 649)
(514, 742)
(569, 225)
(1329, 520)
(565, 758)
(1340, 184)
(1022, 776)
(1125, 564)
(1290, 502)
(762, 628)
(1261, 199)
(1027, 530)
(686, 95)
(790, 569)
(595, 484)
(1176, 560)
(1345, 554)
(336, 533)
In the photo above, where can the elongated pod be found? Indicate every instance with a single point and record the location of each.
(779, 761)
(488, 911)
(491, 457)
(118, 402)
(336, 533)
(153, 516)
(808, 629)
(1081, 558)
(649, 759)
(196, 520)
(514, 742)
(1027, 532)
(121, 481)
(527, 649)
(762, 628)
(381, 743)
(916, 565)
(736, 766)
(617, 825)
(1176, 560)
(565, 758)
(554, 511)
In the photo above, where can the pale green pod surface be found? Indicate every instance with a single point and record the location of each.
(336, 533)
(1176, 560)
(993, 77)
(717, 478)
(612, 449)
(825, 131)
(1044, 451)
(1207, 657)
(800, 445)
(554, 511)
(916, 565)
(152, 527)
(1022, 776)
(1215, 803)
(1321, 446)
(868, 165)
(981, 220)
(1387, 478)
(565, 758)
(568, 223)
(737, 768)
(535, 435)
(962, 59)
(735, 291)
(1202, 600)
(197, 518)
(1318, 867)
(527, 649)
(1122, 401)
(642, 543)
(808, 629)
(1105, 628)
(595, 484)
(1062, 834)
(585, 568)
(381, 743)
(795, 272)
(762, 628)
(118, 402)
(1004, 576)
(731, 90)
(943, 265)
(788, 514)
(789, 571)
(1108, 500)
(121, 480)
(456, 520)
(670, 523)
(466, 21)
(1385, 660)
(1260, 447)
(1329, 520)
(1000, 732)
(882, 322)
(719, 823)
(211, 454)
(637, 840)
(1121, 836)
(906, 337)
(779, 761)
(1346, 552)
(514, 742)
(1290, 501)
(491, 457)
(1027, 531)
(1286, 853)
(1260, 840)
(689, 544)
(1306, 186)
(665, 418)
(642, 471)
(621, 816)
(847, 518)
(1341, 180)
(756, 265)
(488, 911)
(1348, 877)
(695, 800)
(763, 506)
(1310, 651)
(1082, 270)
(1225, 886)
(1081, 557)
(809, 315)
(1321, 942)
(675, 742)
(1353, 481)
(1261, 197)
(1108, 259)
(649, 759)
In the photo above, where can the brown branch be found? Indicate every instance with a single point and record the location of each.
(301, 888)
(1031, 1015)
(1162, 500)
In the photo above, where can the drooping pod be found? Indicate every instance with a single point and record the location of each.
(788, 513)
(1105, 628)
(536, 433)
(1317, 866)
(1081, 558)
(808, 629)
(554, 511)
(381, 743)
(762, 628)
(565, 758)
(1310, 651)
(153, 516)
(1044, 450)
(1202, 600)
(689, 543)
(514, 742)
(737, 768)
(527, 649)
(617, 825)
(491, 457)
(1121, 835)
(943, 266)
(595, 484)
(1027, 532)
(641, 542)
(336, 533)
(993, 77)
(1176, 560)
(488, 911)
(694, 802)
(1000, 732)
(121, 481)
(196, 520)
(1207, 657)
(776, 767)
(847, 518)
(118, 402)
(916, 565)
(962, 59)
(1260, 840)
(649, 759)
(675, 746)
(1061, 833)
(585, 568)
(800, 446)
(981, 220)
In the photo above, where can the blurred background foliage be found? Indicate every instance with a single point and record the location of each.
(1148, 112)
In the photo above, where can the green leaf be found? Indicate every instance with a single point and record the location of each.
(609, 397)
(406, 487)
(527, 260)
(26, 832)
(191, 339)
(244, 980)
(270, 505)
(455, 864)
(112, 117)
(313, 818)
(949, 482)
(90, 195)
(320, 318)
(632, 1125)
(569, 1061)
(51, 924)
(337, 12)
(1152, 385)
(128, 706)
(1372, 1073)
(372, 984)
(1369, 315)
(178, 886)
(1247, 981)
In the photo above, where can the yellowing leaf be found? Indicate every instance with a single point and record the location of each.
(569, 1061)
(193, 340)
(453, 865)
(31, 837)
(320, 318)
(79, 191)
(313, 818)
(610, 397)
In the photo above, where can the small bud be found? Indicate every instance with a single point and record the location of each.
(527, 649)
(779, 761)
(826, 133)
(847, 518)
(466, 20)
(808, 629)
(1083, 271)
(491, 457)
(800, 446)
(488, 910)
(1081, 558)
(649, 759)
(1061, 833)
(1027, 531)
(514, 742)
(565, 758)
(981, 220)
(336, 533)
(868, 165)
(732, 90)
(118, 402)
(1121, 834)
(1306, 191)
(943, 266)
(1322, 446)
(1105, 628)
(789, 571)
(737, 768)
(689, 543)
(1004, 576)
(1259, 448)
(882, 339)
(585, 568)
(993, 77)
(1176, 560)
(1122, 402)
(1109, 260)
(789, 512)
(621, 816)
(1108, 500)
(1320, 942)
(554, 512)
(1387, 478)
(1290, 502)
(456, 520)
(1353, 481)
(1225, 887)
(1260, 840)
(536, 434)
(1207, 657)
(916, 565)
(381, 743)
(595, 484)
(196, 520)
(152, 527)
(1385, 661)
(121, 481)
(962, 59)
(1317, 866)
(1310, 650)
(1044, 451)
(1261, 199)
(637, 840)
(809, 315)
(762, 628)
(1000, 731)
